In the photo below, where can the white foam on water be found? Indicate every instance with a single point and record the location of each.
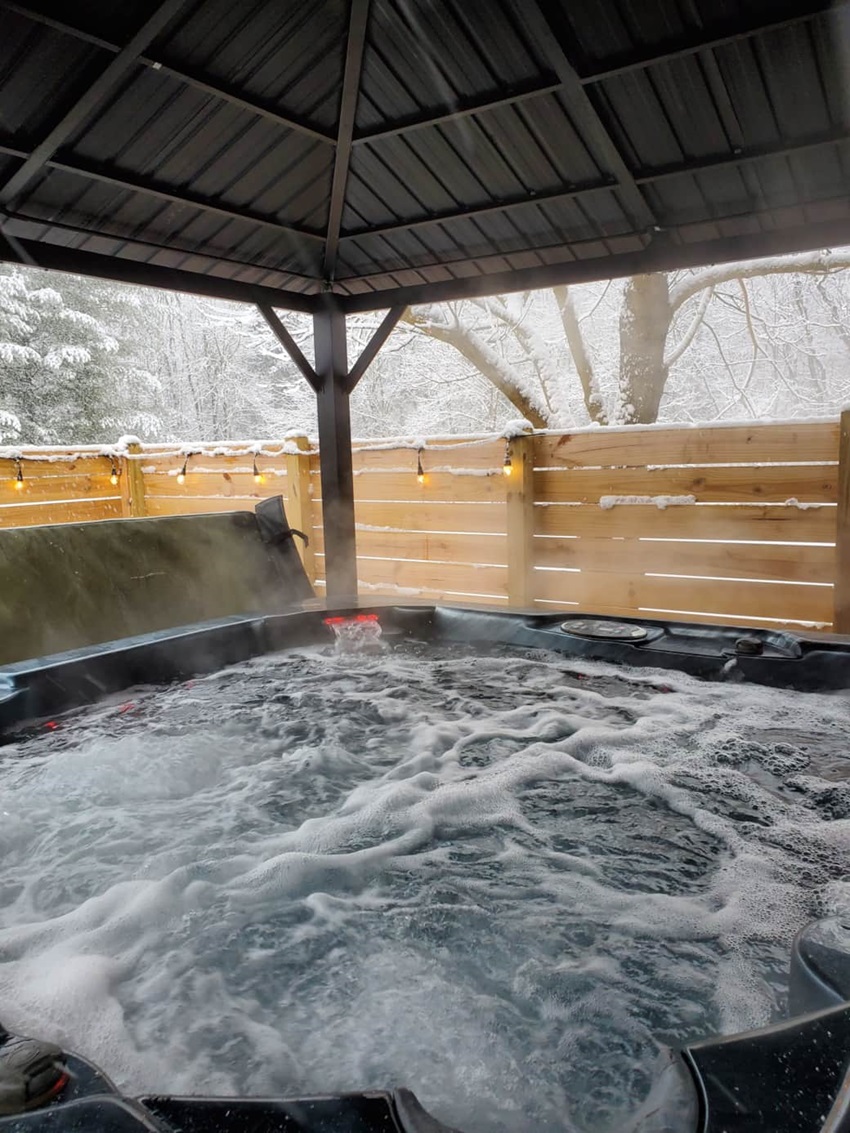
(504, 881)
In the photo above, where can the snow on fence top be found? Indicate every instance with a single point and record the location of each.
(733, 522)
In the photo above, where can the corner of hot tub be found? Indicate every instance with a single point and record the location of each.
(46, 686)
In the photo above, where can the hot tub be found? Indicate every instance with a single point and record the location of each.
(494, 893)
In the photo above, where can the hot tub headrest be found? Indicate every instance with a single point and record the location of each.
(63, 587)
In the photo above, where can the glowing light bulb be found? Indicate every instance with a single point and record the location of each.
(181, 475)
(113, 476)
(420, 471)
(259, 478)
(19, 479)
(507, 468)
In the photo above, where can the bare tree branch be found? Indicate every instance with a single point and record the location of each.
(689, 335)
(584, 367)
(470, 344)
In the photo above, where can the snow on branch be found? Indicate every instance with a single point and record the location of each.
(822, 262)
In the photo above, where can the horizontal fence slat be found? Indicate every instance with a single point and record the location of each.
(74, 511)
(729, 444)
(173, 505)
(724, 599)
(480, 457)
(773, 561)
(458, 578)
(404, 486)
(746, 521)
(57, 488)
(213, 484)
(489, 549)
(206, 462)
(769, 484)
(433, 516)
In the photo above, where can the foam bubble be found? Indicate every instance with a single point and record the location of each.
(506, 881)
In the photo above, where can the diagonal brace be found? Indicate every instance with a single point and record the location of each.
(289, 345)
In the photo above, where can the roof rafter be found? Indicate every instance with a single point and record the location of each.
(656, 256)
(135, 248)
(461, 110)
(585, 118)
(740, 157)
(57, 257)
(699, 41)
(568, 193)
(121, 180)
(87, 103)
(193, 78)
(640, 177)
(347, 109)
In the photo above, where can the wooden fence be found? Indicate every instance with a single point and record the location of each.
(745, 524)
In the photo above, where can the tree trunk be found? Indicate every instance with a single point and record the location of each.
(645, 319)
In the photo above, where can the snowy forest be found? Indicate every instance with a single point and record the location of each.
(86, 361)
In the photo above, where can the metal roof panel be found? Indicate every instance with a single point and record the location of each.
(513, 133)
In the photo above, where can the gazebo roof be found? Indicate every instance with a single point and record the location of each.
(399, 151)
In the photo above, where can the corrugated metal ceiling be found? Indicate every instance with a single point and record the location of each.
(399, 150)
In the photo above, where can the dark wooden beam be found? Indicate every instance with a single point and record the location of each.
(706, 39)
(150, 188)
(639, 176)
(337, 473)
(740, 157)
(289, 344)
(345, 132)
(511, 97)
(586, 119)
(373, 346)
(195, 79)
(484, 209)
(59, 257)
(661, 254)
(35, 228)
(88, 103)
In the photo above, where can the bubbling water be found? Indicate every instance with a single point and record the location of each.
(505, 880)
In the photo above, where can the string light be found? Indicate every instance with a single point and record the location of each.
(19, 478)
(181, 475)
(259, 478)
(507, 467)
(113, 474)
(420, 471)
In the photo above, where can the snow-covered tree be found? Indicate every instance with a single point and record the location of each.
(59, 359)
(219, 371)
(557, 358)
